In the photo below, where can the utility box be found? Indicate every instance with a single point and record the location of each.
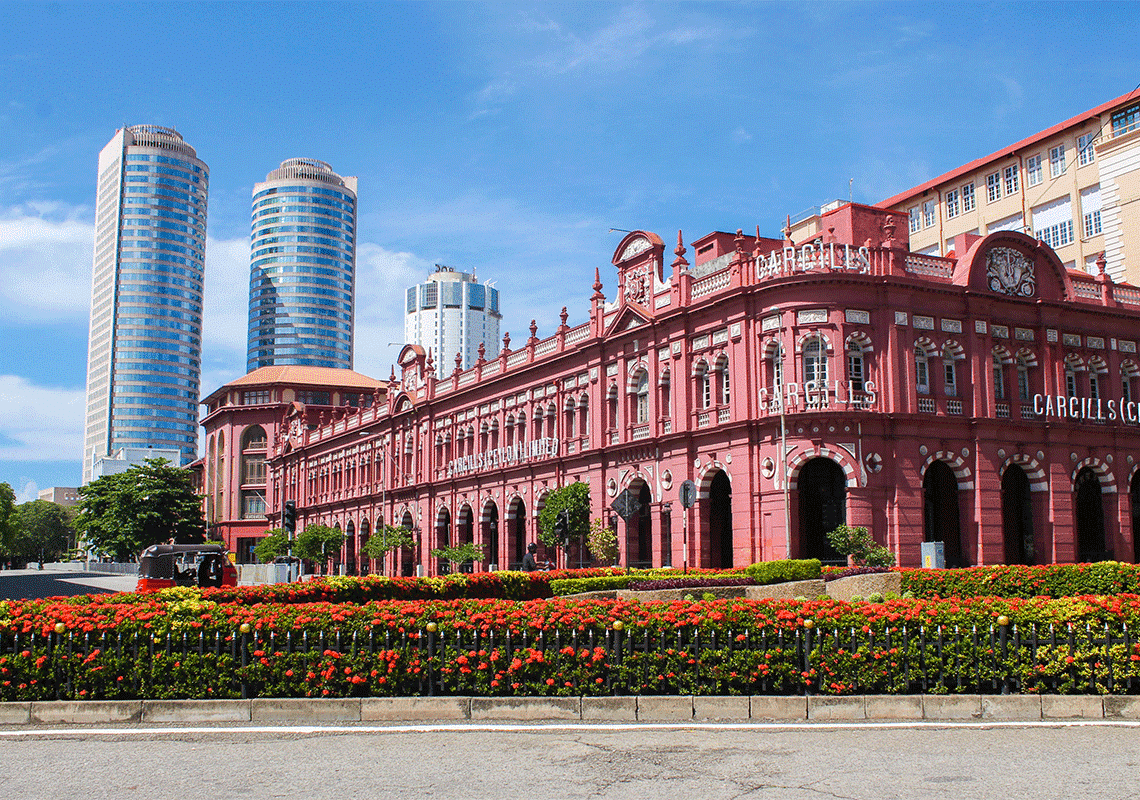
(934, 555)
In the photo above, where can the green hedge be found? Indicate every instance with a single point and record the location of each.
(766, 572)
(579, 585)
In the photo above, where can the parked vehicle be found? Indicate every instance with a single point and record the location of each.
(162, 566)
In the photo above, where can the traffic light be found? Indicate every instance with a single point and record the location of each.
(289, 517)
(562, 526)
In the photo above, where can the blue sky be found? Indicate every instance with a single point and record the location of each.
(505, 138)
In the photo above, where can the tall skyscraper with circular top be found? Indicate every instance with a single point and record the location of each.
(302, 285)
(144, 344)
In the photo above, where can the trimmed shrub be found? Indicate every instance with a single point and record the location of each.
(567, 586)
(804, 569)
(682, 582)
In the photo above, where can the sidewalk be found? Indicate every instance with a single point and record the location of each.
(649, 709)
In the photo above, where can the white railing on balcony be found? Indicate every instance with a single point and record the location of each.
(517, 358)
(932, 266)
(722, 415)
(1086, 290)
(703, 419)
(1001, 410)
(575, 335)
(542, 348)
(492, 368)
(667, 426)
(1127, 295)
(710, 284)
(953, 406)
(640, 432)
(926, 405)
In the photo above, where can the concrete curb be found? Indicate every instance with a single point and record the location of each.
(646, 708)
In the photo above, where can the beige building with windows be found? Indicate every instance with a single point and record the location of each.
(1074, 186)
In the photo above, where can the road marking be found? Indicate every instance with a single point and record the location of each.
(476, 727)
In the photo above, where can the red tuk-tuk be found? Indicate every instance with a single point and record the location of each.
(162, 566)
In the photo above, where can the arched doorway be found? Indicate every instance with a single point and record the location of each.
(1134, 492)
(822, 489)
(515, 533)
(1017, 516)
(350, 549)
(443, 538)
(639, 528)
(940, 512)
(407, 554)
(489, 522)
(720, 521)
(465, 533)
(1089, 513)
(365, 534)
(331, 561)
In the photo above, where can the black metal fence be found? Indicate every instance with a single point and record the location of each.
(1058, 659)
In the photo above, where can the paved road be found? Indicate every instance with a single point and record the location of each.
(26, 584)
(787, 762)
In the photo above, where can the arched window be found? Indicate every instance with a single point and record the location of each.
(815, 362)
(774, 361)
(551, 420)
(1128, 374)
(665, 401)
(951, 351)
(568, 413)
(1097, 367)
(584, 415)
(1023, 363)
(724, 393)
(612, 406)
(704, 384)
(856, 367)
(999, 377)
(921, 370)
(641, 404)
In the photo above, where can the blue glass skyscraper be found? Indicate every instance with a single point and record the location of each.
(144, 344)
(302, 267)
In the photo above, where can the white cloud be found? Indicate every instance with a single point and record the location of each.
(28, 492)
(740, 136)
(39, 423)
(382, 276)
(45, 264)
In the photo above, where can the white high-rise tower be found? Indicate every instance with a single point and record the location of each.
(451, 312)
(144, 344)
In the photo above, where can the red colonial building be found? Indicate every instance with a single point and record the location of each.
(242, 418)
(987, 400)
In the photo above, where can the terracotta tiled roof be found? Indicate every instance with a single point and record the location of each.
(324, 377)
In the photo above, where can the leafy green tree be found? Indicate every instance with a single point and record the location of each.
(7, 509)
(861, 546)
(602, 542)
(459, 554)
(385, 539)
(42, 531)
(574, 498)
(275, 543)
(121, 515)
(318, 543)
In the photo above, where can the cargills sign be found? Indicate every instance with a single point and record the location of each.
(815, 395)
(533, 450)
(1086, 409)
